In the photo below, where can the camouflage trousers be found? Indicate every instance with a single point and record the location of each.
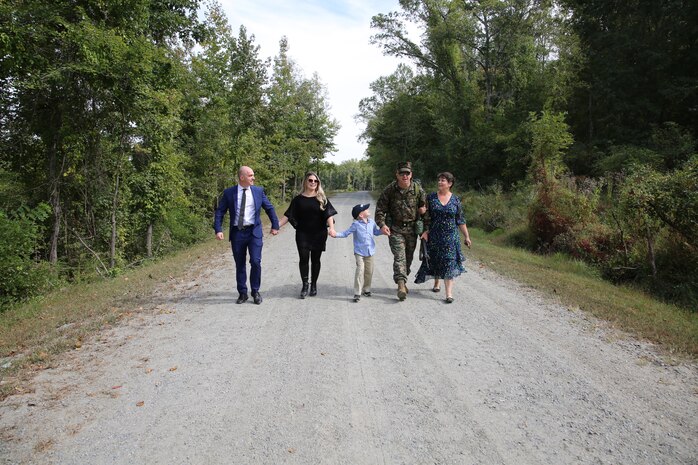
(402, 245)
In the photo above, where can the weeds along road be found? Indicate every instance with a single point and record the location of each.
(501, 376)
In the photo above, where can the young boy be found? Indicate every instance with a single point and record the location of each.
(363, 228)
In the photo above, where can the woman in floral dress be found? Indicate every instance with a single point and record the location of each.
(443, 238)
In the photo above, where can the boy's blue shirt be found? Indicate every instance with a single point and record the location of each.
(364, 243)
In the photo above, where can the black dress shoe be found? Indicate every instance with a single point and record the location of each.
(313, 290)
(257, 298)
(242, 299)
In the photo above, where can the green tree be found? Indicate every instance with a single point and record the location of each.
(640, 72)
(20, 236)
(74, 76)
(301, 128)
(224, 103)
(670, 198)
(483, 67)
(555, 210)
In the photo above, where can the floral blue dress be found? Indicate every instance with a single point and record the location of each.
(445, 255)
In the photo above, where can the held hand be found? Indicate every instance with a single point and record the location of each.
(422, 210)
(468, 242)
(219, 236)
(333, 233)
(274, 232)
(385, 230)
(425, 235)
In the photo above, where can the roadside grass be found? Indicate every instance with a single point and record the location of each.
(32, 334)
(577, 285)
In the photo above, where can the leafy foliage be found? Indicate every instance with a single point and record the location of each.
(350, 175)
(20, 234)
(494, 209)
(481, 70)
(129, 132)
(508, 92)
(127, 119)
(653, 79)
(669, 199)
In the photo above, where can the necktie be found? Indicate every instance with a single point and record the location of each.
(241, 214)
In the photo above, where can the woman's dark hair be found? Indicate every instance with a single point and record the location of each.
(447, 176)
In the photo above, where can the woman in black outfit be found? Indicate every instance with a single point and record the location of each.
(310, 213)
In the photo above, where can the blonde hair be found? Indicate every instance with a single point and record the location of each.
(319, 193)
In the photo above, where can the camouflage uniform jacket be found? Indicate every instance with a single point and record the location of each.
(398, 208)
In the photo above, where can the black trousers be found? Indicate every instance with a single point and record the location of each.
(312, 256)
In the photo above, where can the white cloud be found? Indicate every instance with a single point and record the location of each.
(330, 38)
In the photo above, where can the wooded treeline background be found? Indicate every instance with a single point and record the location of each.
(574, 121)
(576, 118)
(123, 121)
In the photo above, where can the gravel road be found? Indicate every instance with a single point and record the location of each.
(501, 376)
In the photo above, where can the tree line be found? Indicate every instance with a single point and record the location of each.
(121, 124)
(588, 110)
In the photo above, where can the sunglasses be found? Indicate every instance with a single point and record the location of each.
(313, 180)
(405, 174)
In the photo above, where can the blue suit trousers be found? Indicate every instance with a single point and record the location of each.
(243, 242)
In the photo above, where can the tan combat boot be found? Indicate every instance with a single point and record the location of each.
(401, 290)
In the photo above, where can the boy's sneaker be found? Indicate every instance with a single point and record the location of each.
(357, 298)
(367, 293)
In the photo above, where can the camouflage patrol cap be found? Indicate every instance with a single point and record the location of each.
(404, 167)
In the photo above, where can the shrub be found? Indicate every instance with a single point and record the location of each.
(517, 236)
(676, 280)
(487, 210)
(625, 156)
(20, 275)
(555, 209)
(592, 242)
(180, 228)
(562, 206)
(654, 218)
(494, 209)
(670, 199)
(673, 143)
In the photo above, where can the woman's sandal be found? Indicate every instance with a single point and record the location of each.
(436, 289)
(449, 300)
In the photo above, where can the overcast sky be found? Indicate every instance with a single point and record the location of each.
(330, 37)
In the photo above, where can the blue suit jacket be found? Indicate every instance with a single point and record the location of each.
(229, 202)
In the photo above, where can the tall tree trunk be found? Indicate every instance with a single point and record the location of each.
(112, 244)
(55, 200)
(55, 233)
(149, 240)
(650, 252)
(590, 116)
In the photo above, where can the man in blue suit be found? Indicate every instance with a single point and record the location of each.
(244, 203)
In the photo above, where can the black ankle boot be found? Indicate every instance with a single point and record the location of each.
(313, 289)
(304, 291)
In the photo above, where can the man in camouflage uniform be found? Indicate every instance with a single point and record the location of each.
(399, 208)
